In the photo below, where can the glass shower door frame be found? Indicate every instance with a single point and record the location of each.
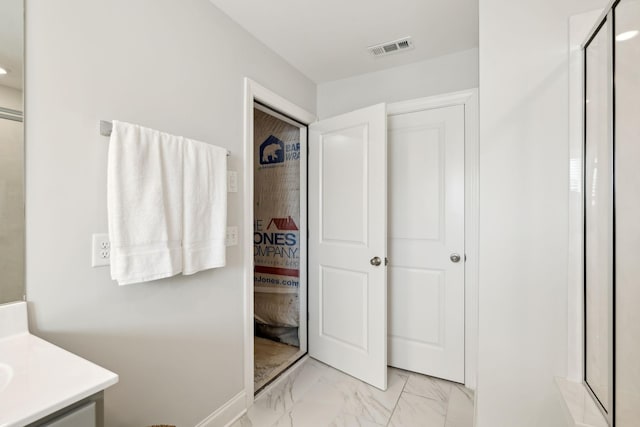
(606, 18)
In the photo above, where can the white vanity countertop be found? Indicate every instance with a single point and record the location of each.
(38, 378)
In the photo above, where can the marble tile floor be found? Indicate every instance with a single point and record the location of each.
(315, 395)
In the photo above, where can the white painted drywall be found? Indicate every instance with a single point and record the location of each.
(524, 186)
(173, 65)
(327, 40)
(448, 73)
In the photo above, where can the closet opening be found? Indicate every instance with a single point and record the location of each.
(279, 239)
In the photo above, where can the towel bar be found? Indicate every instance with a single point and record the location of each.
(106, 127)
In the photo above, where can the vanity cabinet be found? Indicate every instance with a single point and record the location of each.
(46, 385)
(88, 412)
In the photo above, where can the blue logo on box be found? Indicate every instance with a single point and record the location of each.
(271, 151)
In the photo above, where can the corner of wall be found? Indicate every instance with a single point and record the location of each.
(227, 414)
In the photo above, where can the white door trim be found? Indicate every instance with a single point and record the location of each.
(255, 92)
(469, 99)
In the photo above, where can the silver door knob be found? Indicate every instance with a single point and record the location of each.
(375, 261)
(454, 257)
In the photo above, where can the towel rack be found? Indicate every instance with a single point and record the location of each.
(106, 127)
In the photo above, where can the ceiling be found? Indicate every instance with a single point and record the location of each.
(11, 42)
(327, 40)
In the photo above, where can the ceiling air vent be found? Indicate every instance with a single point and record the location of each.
(388, 48)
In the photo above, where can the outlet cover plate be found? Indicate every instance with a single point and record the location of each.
(232, 236)
(100, 250)
(232, 181)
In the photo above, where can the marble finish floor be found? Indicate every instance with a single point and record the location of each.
(315, 395)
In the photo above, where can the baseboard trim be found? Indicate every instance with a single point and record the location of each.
(227, 414)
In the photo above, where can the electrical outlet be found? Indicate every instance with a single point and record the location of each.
(100, 250)
(232, 181)
(232, 236)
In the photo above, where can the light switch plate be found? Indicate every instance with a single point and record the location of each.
(100, 250)
(232, 181)
(232, 236)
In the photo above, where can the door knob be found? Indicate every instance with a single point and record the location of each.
(454, 257)
(375, 261)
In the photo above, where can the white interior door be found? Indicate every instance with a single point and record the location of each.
(347, 238)
(426, 232)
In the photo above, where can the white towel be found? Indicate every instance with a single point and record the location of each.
(205, 206)
(145, 203)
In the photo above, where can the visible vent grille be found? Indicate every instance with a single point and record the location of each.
(388, 48)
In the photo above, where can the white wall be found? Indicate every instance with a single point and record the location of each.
(524, 158)
(172, 65)
(449, 73)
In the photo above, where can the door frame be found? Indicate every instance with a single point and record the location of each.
(469, 100)
(253, 91)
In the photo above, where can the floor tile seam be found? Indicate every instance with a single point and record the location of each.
(446, 418)
(395, 407)
(339, 413)
(349, 382)
(469, 393)
(366, 415)
(446, 413)
(430, 398)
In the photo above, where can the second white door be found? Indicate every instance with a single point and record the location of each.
(426, 242)
(348, 243)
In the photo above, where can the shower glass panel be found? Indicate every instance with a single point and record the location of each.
(11, 203)
(598, 216)
(627, 190)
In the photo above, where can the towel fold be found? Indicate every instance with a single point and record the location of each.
(205, 206)
(144, 203)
